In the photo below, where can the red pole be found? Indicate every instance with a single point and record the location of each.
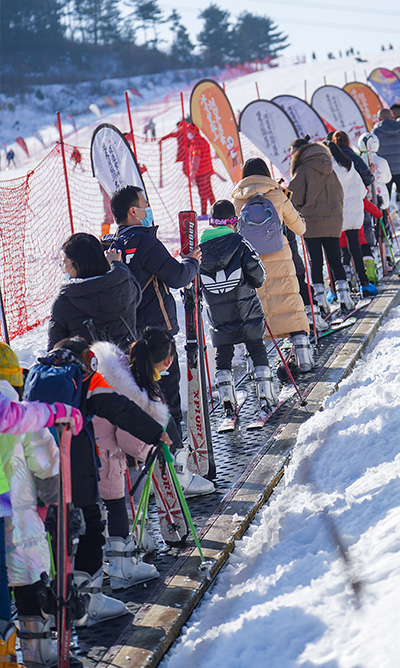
(161, 165)
(65, 171)
(258, 92)
(289, 373)
(130, 121)
(207, 365)
(186, 152)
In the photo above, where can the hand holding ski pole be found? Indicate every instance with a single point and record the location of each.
(113, 255)
(64, 414)
(195, 253)
(165, 438)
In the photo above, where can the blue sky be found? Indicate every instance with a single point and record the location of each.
(312, 25)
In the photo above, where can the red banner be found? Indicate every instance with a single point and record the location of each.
(22, 143)
(211, 111)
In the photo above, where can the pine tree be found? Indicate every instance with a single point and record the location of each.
(216, 36)
(147, 14)
(181, 50)
(256, 37)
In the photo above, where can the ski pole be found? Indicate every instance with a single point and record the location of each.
(285, 364)
(393, 230)
(166, 507)
(170, 461)
(389, 245)
(143, 505)
(309, 292)
(206, 361)
(131, 501)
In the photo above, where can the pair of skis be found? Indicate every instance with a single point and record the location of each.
(201, 458)
(345, 320)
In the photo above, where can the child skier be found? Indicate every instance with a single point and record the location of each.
(231, 270)
(97, 398)
(136, 377)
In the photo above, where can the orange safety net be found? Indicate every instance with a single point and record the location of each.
(35, 218)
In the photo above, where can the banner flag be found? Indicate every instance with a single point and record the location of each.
(211, 111)
(386, 84)
(367, 101)
(22, 144)
(271, 130)
(396, 71)
(109, 100)
(340, 110)
(304, 118)
(113, 161)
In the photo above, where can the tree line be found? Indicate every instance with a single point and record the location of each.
(63, 40)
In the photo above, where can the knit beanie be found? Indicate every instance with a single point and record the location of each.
(9, 366)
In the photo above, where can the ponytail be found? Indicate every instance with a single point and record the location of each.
(154, 347)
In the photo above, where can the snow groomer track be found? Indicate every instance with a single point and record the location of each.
(249, 465)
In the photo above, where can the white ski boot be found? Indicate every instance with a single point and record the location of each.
(303, 352)
(265, 387)
(320, 297)
(343, 291)
(320, 323)
(226, 390)
(101, 607)
(191, 484)
(37, 646)
(126, 568)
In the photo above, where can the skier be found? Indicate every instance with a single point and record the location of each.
(10, 157)
(200, 166)
(230, 271)
(388, 132)
(368, 144)
(342, 139)
(280, 297)
(99, 292)
(353, 215)
(137, 377)
(76, 157)
(97, 398)
(15, 453)
(318, 195)
(151, 128)
(157, 271)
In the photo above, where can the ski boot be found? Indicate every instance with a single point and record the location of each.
(191, 484)
(8, 655)
(370, 269)
(320, 297)
(369, 290)
(320, 323)
(343, 291)
(101, 607)
(226, 391)
(126, 568)
(37, 646)
(265, 389)
(303, 352)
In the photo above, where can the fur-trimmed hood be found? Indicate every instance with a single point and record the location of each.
(114, 367)
(314, 155)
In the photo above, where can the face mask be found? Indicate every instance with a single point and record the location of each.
(190, 136)
(66, 277)
(148, 219)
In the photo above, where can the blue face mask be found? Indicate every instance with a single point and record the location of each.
(147, 221)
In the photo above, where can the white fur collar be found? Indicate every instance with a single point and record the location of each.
(114, 367)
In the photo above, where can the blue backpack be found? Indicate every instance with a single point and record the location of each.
(260, 224)
(57, 377)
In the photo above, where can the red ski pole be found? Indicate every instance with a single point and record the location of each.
(285, 364)
(309, 292)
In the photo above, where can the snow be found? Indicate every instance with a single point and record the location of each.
(286, 597)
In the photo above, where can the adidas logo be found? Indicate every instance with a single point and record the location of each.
(222, 283)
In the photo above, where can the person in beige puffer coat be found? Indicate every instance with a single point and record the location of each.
(279, 295)
(318, 195)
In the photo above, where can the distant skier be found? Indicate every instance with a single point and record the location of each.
(76, 157)
(150, 127)
(10, 156)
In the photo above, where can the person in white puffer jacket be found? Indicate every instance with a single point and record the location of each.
(354, 192)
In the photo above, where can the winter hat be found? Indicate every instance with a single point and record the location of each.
(10, 368)
(223, 213)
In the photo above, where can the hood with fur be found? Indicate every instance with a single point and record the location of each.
(315, 155)
(114, 367)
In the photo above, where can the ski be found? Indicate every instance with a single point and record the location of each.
(362, 303)
(229, 423)
(171, 515)
(336, 327)
(201, 457)
(263, 417)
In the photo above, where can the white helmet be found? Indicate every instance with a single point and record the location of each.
(368, 141)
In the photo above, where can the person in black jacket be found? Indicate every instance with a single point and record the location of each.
(230, 271)
(156, 270)
(97, 298)
(97, 398)
(343, 141)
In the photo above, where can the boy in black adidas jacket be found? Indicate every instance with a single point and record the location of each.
(230, 271)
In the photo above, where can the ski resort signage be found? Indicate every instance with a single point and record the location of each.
(304, 118)
(367, 101)
(271, 130)
(339, 109)
(211, 111)
(386, 84)
(113, 161)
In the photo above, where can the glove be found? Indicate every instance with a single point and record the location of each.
(64, 414)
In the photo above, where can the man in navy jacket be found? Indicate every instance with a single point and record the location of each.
(156, 270)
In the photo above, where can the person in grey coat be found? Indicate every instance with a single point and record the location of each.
(388, 132)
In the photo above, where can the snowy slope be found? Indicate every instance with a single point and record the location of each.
(286, 598)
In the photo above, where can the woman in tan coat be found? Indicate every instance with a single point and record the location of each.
(318, 195)
(279, 295)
